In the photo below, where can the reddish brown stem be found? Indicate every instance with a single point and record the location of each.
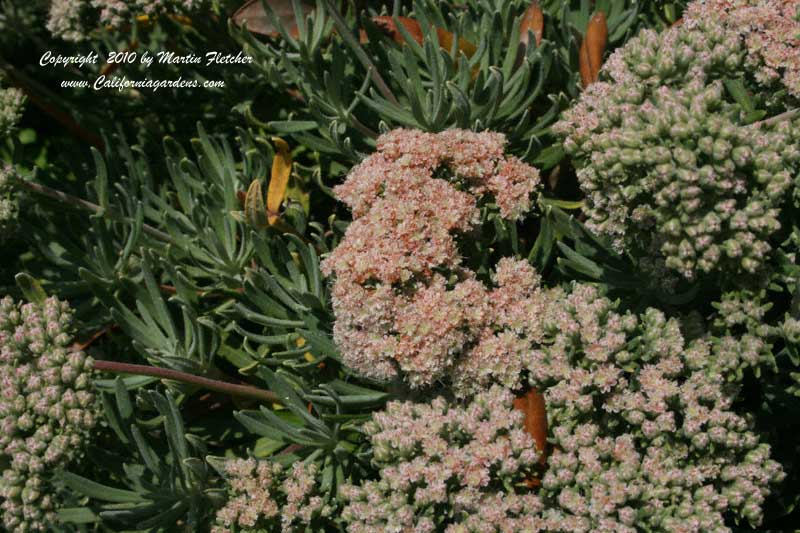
(80, 346)
(244, 391)
(170, 289)
(80, 203)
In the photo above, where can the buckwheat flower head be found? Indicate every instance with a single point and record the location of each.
(117, 12)
(404, 303)
(9, 207)
(644, 430)
(47, 408)
(11, 103)
(512, 325)
(67, 19)
(668, 162)
(445, 467)
(73, 20)
(740, 312)
(265, 496)
(770, 29)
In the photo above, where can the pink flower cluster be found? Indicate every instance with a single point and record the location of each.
(771, 31)
(512, 325)
(644, 431)
(642, 424)
(402, 300)
(267, 496)
(469, 333)
(448, 468)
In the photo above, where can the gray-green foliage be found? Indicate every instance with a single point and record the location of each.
(352, 90)
(160, 476)
(195, 289)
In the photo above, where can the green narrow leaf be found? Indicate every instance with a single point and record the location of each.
(113, 419)
(131, 382)
(576, 261)
(173, 424)
(563, 204)
(542, 249)
(162, 315)
(737, 90)
(124, 405)
(550, 157)
(286, 393)
(321, 343)
(256, 426)
(147, 453)
(266, 446)
(291, 126)
(31, 288)
(98, 491)
(101, 179)
(166, 519)
(76, 515)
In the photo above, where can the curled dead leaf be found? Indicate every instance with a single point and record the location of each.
(255, 212)
(388, 25)
(552, 178)
(253, 18)
(279, 180)
(533, 21)
(412, 26)
(532, 405)
(593, 48)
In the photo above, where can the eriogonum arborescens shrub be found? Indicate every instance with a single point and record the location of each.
(266, 496)
(667, 160)
(771, 33)
(404, 303)
(47, 409)
(645, 433)
(448, 468)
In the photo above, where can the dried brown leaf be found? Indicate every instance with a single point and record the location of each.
(253, 18)
(255, 212)
(531, 403)
(533, 21)
(387, 24)
(279, 181)
(592, 48)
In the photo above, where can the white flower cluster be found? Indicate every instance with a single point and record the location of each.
(667, 162)
(9, 207)
(73, 20)
(11, 103)
(265, 496)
